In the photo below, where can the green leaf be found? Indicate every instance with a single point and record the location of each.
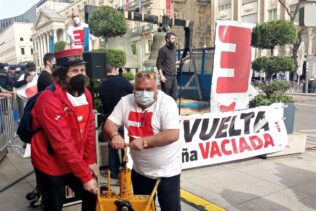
(129, 76)
(273, 33)
(107, 22)
(114, 56)
(59, 46)
(273, 64)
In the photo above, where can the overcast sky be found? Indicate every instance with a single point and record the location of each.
(11, 8)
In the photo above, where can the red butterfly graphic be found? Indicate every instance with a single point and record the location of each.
(225, 108)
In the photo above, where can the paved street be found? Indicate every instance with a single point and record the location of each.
(281, 183)
(305, 117)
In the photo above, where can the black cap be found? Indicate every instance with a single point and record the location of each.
(69, 57)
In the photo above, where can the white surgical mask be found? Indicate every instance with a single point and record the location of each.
(76, 20)
(144, 97)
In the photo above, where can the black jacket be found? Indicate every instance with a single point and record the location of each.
(166, 60)
(112, 90)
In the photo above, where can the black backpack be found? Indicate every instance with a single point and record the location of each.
(25, 130)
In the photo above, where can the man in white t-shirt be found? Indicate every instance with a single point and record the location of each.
(152, 120)
(75, 33)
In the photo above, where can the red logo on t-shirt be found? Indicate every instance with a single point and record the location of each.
(82, 113)
(78, 37)
(30, 91)
(144, 129)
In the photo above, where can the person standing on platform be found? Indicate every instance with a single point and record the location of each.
(166, 65)
(75, 33)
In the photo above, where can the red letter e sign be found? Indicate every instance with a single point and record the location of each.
(235, 64)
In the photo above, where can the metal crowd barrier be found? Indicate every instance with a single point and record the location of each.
(8, 122)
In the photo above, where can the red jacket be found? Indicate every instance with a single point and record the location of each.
(72, 151)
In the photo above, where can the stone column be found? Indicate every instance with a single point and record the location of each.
(55, 36)
(236, 10)
(43, 48)
(48, 40)
(45, 44)
(39, 49)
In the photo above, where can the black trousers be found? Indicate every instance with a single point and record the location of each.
(170, 87)
(53, 191)
(168, 190)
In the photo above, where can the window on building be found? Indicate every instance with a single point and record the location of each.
(224, 5)
(32, 51)
(272, 14)
(249, 18)
(22, 51)
(31, 39)
(248, 1)
(21, 38)
(148, 46)
(178, 14)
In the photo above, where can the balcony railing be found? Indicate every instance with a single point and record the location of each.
(140, 3)
(142, 29)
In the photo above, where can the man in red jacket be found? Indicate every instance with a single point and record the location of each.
(63, 149)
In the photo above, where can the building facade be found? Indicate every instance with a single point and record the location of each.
(260, 11)
(28, 17)
(16, 43)
(53, 19)
(202, 14)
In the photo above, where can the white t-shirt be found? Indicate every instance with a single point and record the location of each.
(75, 36)
(163, 161)
(81, 109)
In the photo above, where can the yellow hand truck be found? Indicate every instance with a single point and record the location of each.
(108, 200)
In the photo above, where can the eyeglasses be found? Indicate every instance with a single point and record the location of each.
(146, 74)
(75, 16)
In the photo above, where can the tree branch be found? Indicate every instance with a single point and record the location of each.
(283, 4)
(288, 11)
(298, 5)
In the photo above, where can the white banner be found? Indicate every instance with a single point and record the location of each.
(29, 90)
(220, 137)
(231, 89)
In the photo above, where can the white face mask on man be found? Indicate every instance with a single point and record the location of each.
(76, 20)
(144, 97)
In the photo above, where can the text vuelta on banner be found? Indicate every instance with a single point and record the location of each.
(220, 137)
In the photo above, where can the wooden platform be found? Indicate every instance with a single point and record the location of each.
(189, 107)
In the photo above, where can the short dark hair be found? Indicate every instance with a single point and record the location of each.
(109, 67)
(48, 57)
(30, 66)
(169, 34)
